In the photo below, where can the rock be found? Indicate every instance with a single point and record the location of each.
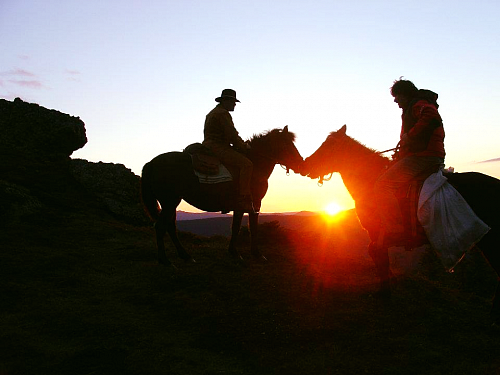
(37, 173)
(15, 202)
(116, 187)
(38, 132)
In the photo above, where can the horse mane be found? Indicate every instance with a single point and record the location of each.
(270, 134)
(357, 155)
(356, 143)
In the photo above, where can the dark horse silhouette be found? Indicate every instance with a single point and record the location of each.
(360, 167)
(169, 178)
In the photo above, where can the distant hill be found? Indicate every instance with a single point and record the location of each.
(183, 215)
(221, 224)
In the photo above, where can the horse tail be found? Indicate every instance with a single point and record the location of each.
(149, 202)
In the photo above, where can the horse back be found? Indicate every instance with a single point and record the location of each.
(172, 176)
(171, 169)
(482, 193)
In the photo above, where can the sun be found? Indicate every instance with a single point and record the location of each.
(333, 208)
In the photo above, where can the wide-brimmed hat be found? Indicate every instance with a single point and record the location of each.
(227, 94)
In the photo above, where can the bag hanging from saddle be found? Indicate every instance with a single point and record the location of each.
(451, 226)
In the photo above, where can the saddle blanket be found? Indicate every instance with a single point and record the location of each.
(451, 226)
(222, 176)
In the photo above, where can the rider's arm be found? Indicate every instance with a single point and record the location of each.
(231, 134)
(428, 119)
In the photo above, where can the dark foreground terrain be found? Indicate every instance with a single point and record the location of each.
(82, 293)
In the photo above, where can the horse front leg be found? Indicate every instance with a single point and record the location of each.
(253, 220)
(235, 230)
(380, 256)
(489, 247)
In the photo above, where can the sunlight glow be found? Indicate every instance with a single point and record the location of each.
(333, 208)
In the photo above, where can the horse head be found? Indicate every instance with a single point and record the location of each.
(279, 146)
(322, 161)
(287, 153)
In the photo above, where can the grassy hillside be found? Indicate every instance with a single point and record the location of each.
(82, 293)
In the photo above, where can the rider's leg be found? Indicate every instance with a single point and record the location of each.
(398, 175)
(245, 166)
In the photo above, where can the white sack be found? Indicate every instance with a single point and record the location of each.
(449, 223)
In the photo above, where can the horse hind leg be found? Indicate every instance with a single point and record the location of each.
(166, 224)
(160, 230)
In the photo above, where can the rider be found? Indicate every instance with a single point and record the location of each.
(421, 147)
(220, 134)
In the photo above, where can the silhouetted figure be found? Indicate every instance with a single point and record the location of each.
(421, 148)
(222, 138)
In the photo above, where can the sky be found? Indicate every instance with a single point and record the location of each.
(142, 75)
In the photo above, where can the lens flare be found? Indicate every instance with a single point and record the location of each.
(333, 208)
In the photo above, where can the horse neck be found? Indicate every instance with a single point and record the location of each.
(359, 168)
(262, 159)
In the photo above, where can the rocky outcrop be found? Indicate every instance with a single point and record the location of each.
(29, 129)
(37, 173)
(115, 186)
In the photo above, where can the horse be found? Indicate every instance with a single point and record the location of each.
(169, 178)
(360, 166)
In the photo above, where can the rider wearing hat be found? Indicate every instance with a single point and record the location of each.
(223, 139)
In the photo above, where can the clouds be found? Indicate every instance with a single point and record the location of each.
(488, 161)
(20, 78)
(24, 83)
(19, 72)
(33, 84)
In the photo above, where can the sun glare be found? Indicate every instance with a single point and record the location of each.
(333, 208)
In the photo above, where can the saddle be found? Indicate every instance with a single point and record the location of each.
(408, 197)
(204, 160)
(207, 165)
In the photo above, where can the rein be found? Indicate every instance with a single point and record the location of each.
(391, 149)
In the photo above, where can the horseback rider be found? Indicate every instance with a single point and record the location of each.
(421, 148)
(219, 134)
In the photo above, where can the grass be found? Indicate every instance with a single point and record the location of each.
(85, 295)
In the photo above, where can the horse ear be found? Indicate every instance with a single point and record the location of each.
(285, 129)
(342, 129)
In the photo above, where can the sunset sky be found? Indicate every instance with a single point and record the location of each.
(142, 75)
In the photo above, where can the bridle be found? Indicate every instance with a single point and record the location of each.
(323, 178)
(272, 159)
